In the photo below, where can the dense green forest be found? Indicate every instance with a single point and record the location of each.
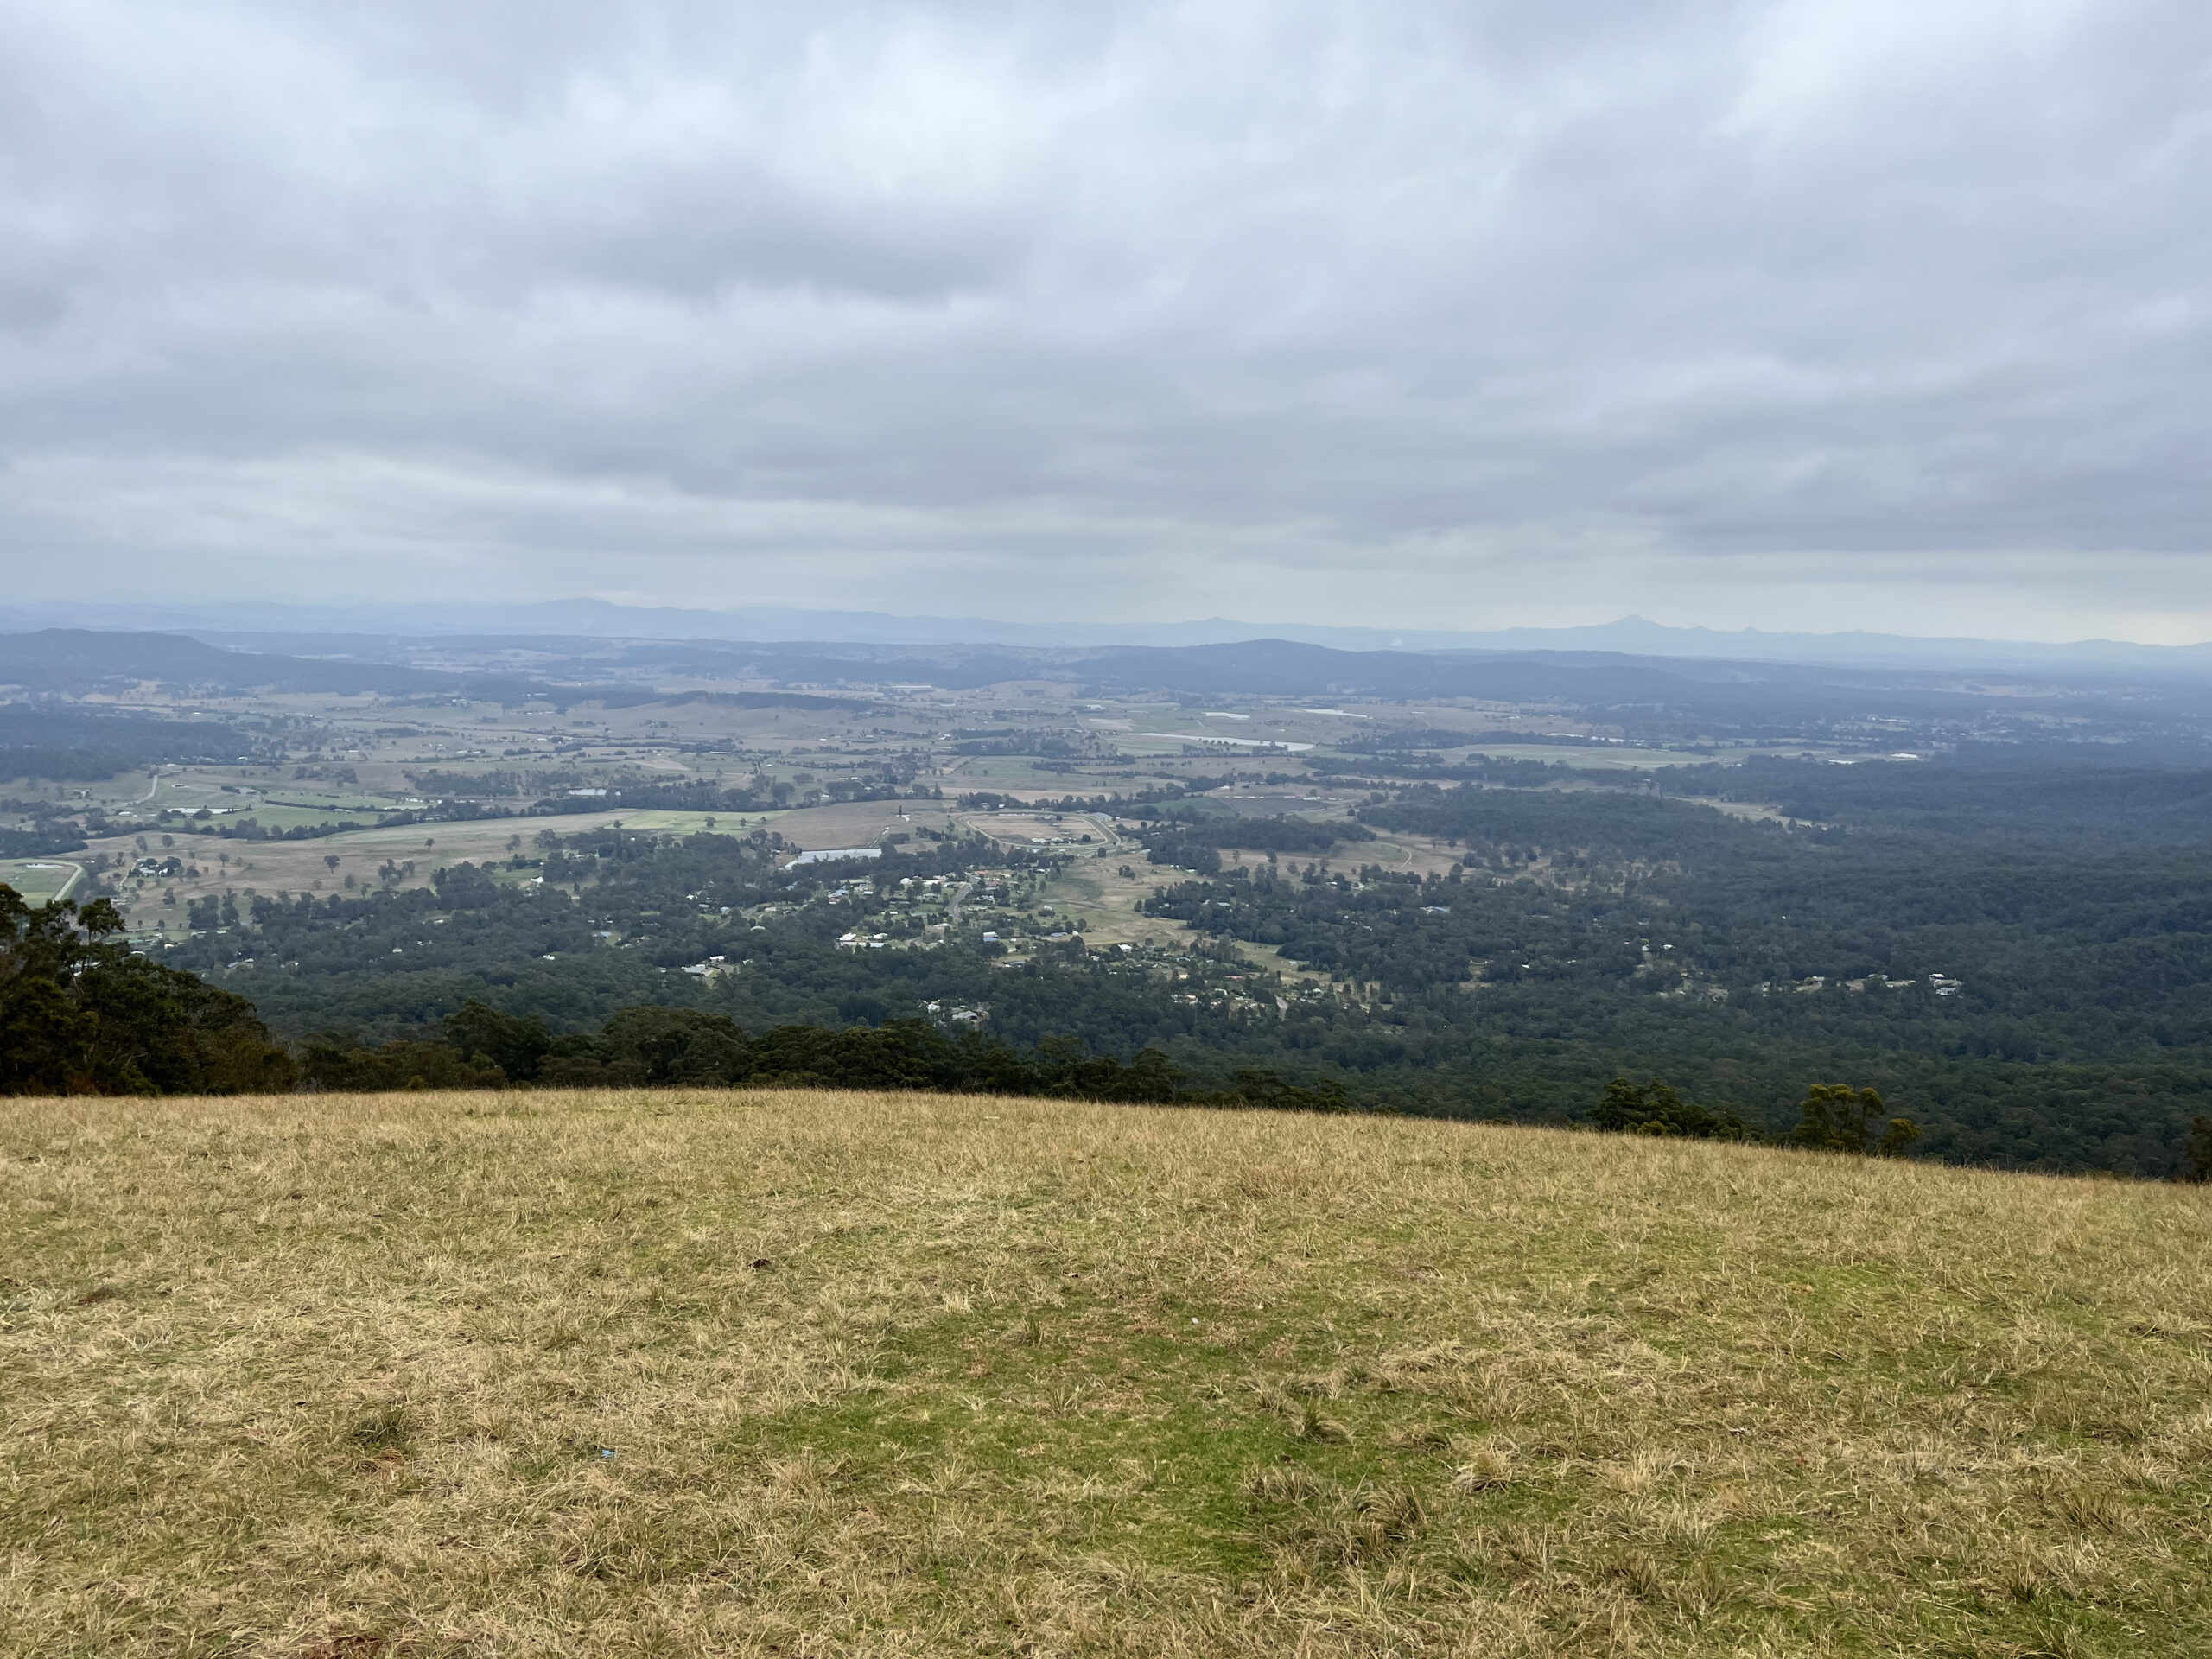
(44, 740)
(1980, 794)
(81, 1013)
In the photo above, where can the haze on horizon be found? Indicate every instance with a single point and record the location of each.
(1795, 314)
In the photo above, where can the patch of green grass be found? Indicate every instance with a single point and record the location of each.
(39, 880)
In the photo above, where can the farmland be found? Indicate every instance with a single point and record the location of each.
(360, 767)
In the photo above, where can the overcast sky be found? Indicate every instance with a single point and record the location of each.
(1853, 313)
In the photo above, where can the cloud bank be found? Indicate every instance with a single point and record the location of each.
(1793, 313)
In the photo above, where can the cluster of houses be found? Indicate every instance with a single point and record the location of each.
(1941, 984)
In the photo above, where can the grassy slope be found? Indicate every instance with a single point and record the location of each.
(885, 1374)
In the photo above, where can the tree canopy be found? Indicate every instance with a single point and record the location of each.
(82, 1013)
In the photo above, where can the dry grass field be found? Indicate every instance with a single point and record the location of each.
(812, 1374)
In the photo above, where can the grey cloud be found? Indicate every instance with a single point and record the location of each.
(1779, 314)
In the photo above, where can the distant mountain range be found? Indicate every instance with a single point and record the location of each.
(2159, 718)
(72, 662)
(597, 618)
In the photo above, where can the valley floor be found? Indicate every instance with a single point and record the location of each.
(807, 1373)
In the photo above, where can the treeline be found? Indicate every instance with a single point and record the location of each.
(1184, 796)
(51, 827)
(82, 1014)
(47, 739)
(1197, 844)
(1050, 744)
(1395, 738)
(40, 840)
(500, 784)
(707, 797)
(1372, 770)
(1833, 1117)
(663, 1047)
(204, 823)
(1974, 797)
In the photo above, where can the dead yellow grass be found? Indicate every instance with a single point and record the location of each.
(808, 1373)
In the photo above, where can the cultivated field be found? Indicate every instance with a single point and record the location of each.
(805, 1373)
(39, 880)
